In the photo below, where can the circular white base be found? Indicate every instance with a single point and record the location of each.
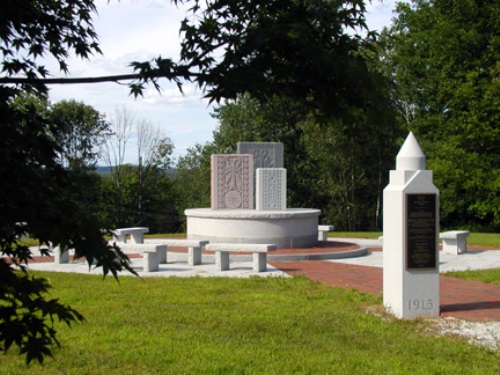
(290, 228)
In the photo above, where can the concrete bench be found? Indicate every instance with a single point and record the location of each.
(60, 257)
(455, 241)
(136, 234)
(152, 254)
(259, 255)
(323, 232)
(194, 248)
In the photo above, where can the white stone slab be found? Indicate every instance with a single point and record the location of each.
(232, 182)
(270, 189)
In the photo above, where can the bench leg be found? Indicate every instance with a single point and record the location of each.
(322, 235)
(259, 262)
(120, 238)
(137, 237)
(222, 260)
(60, 257)
(162, 253)
(150, 261)
(461, 245)
(450, 246)
(194, 256)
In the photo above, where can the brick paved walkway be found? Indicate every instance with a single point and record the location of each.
(469, 300)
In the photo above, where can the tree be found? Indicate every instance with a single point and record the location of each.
(39, 196)
(42, 198)
(192, 177)
(82, 131)
(78, 129)
(122, 125)
(338, 165)
(443, 56)
(302, 48)
(138, 194)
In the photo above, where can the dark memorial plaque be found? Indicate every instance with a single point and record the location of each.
(421, 231)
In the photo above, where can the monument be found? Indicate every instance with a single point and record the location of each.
(233, 217)
(411, 227)
(270, 189)
(265, 154)
(232, 181)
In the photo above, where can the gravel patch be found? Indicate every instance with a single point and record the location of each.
(485, 334)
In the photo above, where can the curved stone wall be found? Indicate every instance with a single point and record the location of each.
(290, 228)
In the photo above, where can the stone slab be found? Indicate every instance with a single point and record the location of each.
(265, 154)
(232, 182)
(270, 191)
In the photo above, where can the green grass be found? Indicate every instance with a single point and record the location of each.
(479, 239)
(370, 235)
(165, 235)
(240, 326)
(484, 239)
(485, 276)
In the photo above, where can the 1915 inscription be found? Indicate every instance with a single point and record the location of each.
(421, 231)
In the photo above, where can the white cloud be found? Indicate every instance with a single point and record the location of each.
(188, 98)
(139, 30)
(380, 13)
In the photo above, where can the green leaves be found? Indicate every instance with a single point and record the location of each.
(302, 49)
(42, 28)
(80, 131)
(443, 57)
(48, 201)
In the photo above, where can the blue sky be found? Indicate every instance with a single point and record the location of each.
(139, 30)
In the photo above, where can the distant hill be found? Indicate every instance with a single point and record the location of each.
(105, 170)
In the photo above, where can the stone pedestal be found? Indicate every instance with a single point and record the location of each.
(291, 228)
(411, 227)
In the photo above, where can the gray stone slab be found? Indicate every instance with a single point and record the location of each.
(232, 183)
(265, 154)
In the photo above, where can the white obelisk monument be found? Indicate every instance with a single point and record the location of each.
(411, 227)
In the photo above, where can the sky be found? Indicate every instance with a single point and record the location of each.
(140, 30)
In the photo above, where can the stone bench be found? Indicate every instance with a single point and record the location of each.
(194, 248)
(323, 232)
(259, 255)
(152, 254)
(455, 241)
(60, 257)
(136, 234)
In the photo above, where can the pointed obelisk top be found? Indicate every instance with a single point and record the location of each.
(410, 157)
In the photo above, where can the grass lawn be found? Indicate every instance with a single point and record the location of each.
(479, 239)
(485, 276)
(241, 326)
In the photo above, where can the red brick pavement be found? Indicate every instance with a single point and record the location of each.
(469, 300)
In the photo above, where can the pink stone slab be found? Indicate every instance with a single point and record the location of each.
(232, 182)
